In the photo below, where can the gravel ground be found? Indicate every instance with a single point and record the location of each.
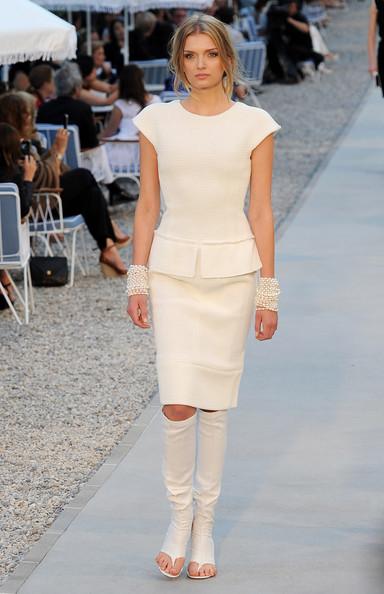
(73, 381)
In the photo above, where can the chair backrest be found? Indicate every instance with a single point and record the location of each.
(124, 157)
(10, 223)
(46, 214)
(155, 73)
(252, 57)
(72, 154)
(247, 24)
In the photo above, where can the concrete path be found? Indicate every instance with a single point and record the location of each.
(302, 507)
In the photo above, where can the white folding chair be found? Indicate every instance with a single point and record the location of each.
(48, 223)
(124, 158)
(72, 156)
(14, 248)
(252, 56)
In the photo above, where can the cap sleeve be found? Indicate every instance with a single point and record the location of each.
(263, 126)
(145, 122)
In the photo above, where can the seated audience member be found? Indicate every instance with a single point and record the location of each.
(289, 42)
(261, 17)
(159, 37)
(177, 16)
(80, 192)
(139, 47)
(94, 91)
(42, 84)
(104, 71)
(20, 170)
(113, 49)
(226, 16)
(133, 98)
(94, 157)
(18, 79)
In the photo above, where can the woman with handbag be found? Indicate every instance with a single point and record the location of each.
(199, 268)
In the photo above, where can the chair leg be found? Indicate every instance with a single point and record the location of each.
(14, 287)
(11, 306)
(32, 299)
(85, 259)
(73, 256)
(26, 300)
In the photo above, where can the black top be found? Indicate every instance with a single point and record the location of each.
(25, 187)
(296, 37)
(380, 17)
(80, 114)
(114, 55)
(159, 39)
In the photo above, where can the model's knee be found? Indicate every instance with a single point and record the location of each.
(178, 412)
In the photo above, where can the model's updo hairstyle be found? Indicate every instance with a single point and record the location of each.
(203, 23)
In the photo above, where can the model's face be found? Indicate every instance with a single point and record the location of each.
(202, 63)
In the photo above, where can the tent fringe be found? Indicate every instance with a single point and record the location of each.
(140, 5)
(32, 56)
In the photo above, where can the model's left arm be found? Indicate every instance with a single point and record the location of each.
(260, 216)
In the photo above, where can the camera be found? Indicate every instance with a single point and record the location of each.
(25, 147)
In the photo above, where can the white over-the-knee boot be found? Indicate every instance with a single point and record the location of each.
(212, 440)
(178, 466)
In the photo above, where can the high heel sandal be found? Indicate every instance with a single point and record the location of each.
(108, 268)
(122, 242)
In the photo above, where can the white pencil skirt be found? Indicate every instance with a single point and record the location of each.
(200, 327)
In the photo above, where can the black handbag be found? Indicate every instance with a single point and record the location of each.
(49, 271)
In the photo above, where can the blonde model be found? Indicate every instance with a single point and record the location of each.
(199, 268)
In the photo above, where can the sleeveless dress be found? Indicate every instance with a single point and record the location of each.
(203, 259)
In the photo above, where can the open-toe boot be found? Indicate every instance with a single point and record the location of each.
(178, 467)
(212, 439)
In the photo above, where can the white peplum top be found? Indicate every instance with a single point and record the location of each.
(204, 165)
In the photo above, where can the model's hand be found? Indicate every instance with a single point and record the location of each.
(138, 310)
(265, 324)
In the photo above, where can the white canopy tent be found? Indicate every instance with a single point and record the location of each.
(130, 7)
(28, 32)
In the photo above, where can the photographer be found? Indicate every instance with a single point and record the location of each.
(289, 42)
(14, 168)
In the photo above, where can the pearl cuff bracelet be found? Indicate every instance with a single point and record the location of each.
(267, 293)
(137, 280)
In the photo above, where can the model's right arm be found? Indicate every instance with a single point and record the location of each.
(146, 217)
(148, 204)
(372, 59)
